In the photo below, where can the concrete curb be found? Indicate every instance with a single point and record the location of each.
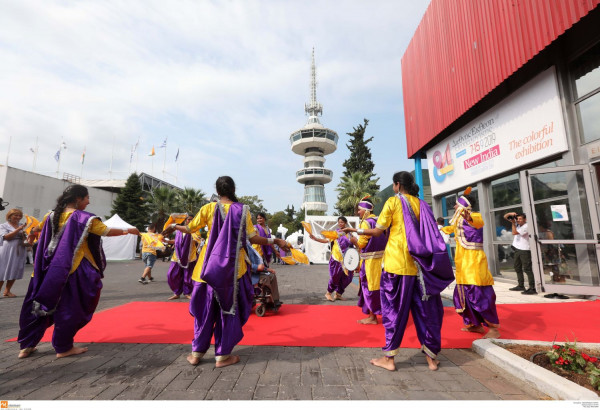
(541, 379)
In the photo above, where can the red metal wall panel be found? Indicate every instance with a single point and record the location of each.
(463, 49)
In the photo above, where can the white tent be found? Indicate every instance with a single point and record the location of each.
(119, 247)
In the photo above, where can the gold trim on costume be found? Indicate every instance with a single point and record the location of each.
(428, 352)
(222, 358)
(197, 355)
(391, 353)
(372, 255)
(460, 237)
(461, 298)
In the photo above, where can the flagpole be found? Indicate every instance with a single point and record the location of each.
(58, 162)
(35, 151)
(165, 160)
(8, 153)
(82, 161)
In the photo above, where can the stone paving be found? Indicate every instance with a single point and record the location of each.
(161, 372)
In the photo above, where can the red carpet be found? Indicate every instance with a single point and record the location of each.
(330, 325)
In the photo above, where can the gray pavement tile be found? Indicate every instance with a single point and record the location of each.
(297, 392)
(375, 392)
(429, 395)
(205, 380)
(182, 395)
(139, 393)
(78, 392)
(474, 395)
(48, 392)
(229, 395)
(266, 392)
(269, 379)
(329, 393)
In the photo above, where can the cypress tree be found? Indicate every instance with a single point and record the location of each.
(129, 204)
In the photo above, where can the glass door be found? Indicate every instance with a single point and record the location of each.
(564, 228)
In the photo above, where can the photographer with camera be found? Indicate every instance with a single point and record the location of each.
(522, 252)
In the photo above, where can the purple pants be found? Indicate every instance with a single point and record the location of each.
(400, 295)
(338, 280)
(209, 319)
(368, 300)
(180, 279)
(78, 302)
(476, 304)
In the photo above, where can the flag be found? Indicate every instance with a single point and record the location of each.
(83, 156)
(63, 145)
(32, 150)
(152, 153)
(57, 155)
(136, 144)
(177, 155)
(131, 156)
(164, 144)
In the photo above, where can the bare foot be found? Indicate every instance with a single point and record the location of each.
(74, 350)
(174, 297)
(187, 296)
(194, 360)
(367, 321)
(473, 329)
(385, 362)
(493, 333)
(228, 362)
(26, 352)
(10, 295)
(339, 297)
(432, 363)
(329, 297)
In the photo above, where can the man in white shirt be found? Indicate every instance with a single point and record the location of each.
(522, 253)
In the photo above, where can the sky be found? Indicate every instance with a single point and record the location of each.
(223, 82)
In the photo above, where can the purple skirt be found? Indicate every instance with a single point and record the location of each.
(78, 302)
(180, 279)
(209, 319)
(338, 280)
(400, 295)
(476, 304)
(368, 300)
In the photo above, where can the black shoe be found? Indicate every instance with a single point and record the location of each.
(519, 288)
(143, 281)
(530, 291)
(151, 279)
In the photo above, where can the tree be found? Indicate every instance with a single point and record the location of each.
(162, 203)
(360, 154)
(190, 200)
(359, 162)
(129, 203)
(351, 189)
(255, 204)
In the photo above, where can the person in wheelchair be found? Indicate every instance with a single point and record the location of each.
(264, 280)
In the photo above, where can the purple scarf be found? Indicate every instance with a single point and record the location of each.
(182, 248)
(267, 251)
(427, 247)
(54, 258)
(228, 234)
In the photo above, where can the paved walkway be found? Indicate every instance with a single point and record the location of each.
(161, 372)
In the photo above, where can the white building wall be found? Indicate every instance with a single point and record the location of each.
(36, 194)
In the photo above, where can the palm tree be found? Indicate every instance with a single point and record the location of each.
(190, 200)
(161, 203)
(353, 188)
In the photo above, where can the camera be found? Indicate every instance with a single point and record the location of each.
(510, 217)
(3, 205)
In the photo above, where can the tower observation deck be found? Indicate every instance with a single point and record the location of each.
(313, 142)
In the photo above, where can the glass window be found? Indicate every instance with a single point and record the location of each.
(505, 191)
(307, 133)
(588, 116)
(586, 72)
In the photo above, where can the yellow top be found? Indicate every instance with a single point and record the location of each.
(471, 264)
(97, 227)
(258, 248)
(396, 259)
(203, 218)
(373, 262)
(151, 241)
(336, 252)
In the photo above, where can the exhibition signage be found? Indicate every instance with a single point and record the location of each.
(525, 127)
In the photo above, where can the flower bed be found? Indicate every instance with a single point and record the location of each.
(567, 361)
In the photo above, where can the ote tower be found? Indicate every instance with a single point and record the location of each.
(313, 142)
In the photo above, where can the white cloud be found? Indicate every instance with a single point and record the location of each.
(225, 81)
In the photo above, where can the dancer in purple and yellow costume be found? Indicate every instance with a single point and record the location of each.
(183, 261)
(474, 296)
(266, 252)
(403, 280)
(65, 286)
(339, 278)
(222, 296)
(371, 255)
